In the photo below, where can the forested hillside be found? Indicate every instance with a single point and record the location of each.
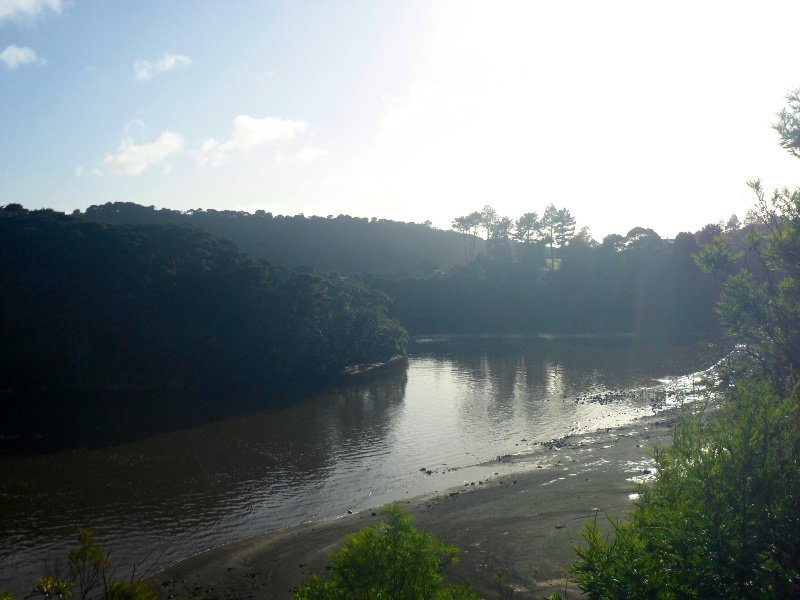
(96, 306)
(532, 274)
(340, 244)
(637, 283)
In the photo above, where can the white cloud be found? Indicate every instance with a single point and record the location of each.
(15, 9)
(82, 172)
(209, 155)
(144, 69)
(310, 153)
(249, 133)
(134, 124)
(18, 56)
(133, 160)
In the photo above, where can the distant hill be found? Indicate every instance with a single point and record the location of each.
(340, 244)
(96, 306)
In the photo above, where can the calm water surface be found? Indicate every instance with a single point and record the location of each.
(458, 403)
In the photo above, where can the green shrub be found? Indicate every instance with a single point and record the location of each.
(88, 568)
(50, 588)
(390, 560)
(88, 564)
(721, 520)
(134, 590)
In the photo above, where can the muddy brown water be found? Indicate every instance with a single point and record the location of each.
(427, 426)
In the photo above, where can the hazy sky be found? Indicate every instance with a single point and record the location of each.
(627, 113)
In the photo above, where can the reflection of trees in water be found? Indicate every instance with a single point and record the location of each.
(492, 370)
(514, 372)
(584, 364)
(554, 375)
(192, 479)
(503, 371)
(46, 422)
(367, 408)
(291, 445)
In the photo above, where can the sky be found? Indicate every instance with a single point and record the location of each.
(627, 113)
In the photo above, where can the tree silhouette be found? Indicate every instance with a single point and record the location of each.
(468, 226)
(488, 220)
(461, 225)
(565, 227)
(559, 225)
(527, 228)
(499, 247)
(733, 224)
(788, 124)
(549, 220)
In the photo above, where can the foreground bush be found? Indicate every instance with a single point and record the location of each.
(722, 519)
(88, 568)
(390, 560)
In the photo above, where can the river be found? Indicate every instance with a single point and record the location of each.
(414, 428)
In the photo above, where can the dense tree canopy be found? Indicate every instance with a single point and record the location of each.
(90, 305)
(341, 244)
(633, 283)
(532, 273)
(760, 303)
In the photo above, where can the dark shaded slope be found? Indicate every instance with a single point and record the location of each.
(113, 333)
(342, 244)
(643, 286)
(88, 305)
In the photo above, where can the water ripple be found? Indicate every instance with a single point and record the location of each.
(459, 404)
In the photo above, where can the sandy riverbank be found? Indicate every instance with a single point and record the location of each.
(526, 524)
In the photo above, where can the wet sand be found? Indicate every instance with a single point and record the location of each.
(525, 525)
